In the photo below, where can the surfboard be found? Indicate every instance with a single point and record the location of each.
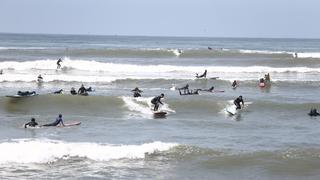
(76, 123)
(160, 114)
(18, 96)
(262, 84)
(217, 91)
(231, 110)
(214, 78)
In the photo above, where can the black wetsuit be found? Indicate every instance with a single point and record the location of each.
(156, 101)
(234, 83)
(58, 92)
(185, 88)
(203, 75)
(73, 92)
(136, 94)
(82, 90)
(313, 112)
(31, 124)
(58, 121)
(58, 63)
(26, 93)
(237, 102)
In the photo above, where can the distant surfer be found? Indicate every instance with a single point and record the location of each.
(57, 122)
(82, 90)
(73, 91)
(58, 92)
(238, 101)
(209, 90)
(209, 48)
(32, 123)
(234, 84)
(267, 78)
(58, 63)
(156, 101)
(136, 92)
(313, 112)
(295, 55)
(26, 93)
(204, 75)
(1, 71)
(89, 89)
(40, 79)
(184, 88)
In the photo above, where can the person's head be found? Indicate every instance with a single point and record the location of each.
(82, 85)
(162, 95)
(60, 115)
(240, 97)
(33, 119)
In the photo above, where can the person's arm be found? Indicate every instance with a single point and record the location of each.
(25, 125)
(61, 121)
(242, 103)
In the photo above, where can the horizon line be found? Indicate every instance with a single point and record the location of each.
(158, 36)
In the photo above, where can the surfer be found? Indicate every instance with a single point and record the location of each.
(58, 63)
(267, 77)
(234, 84)
(57, 122)
(40, 78)
(73, 91)
(82, 90)
(184, 88)
(204, 75)
(156, 101)
(136, 92)
(238, 101)
(209, 90)
(32, 123)
(58, 92)
(1, 71)
(209, 48)
(26, 93)
(313, 112)
(89, 89)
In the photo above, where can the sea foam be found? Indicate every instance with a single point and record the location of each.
(45, 151)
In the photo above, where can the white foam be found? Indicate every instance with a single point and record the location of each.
(308, 55)
(263, 52)
(44, 151)
(143, 105)
(93, 71)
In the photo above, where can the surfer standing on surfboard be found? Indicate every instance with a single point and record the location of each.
(238, 101)
(156, 101)
(58, 63)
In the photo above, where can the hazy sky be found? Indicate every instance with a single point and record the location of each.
(214, 18)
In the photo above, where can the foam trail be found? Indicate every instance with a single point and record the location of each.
(44, 151)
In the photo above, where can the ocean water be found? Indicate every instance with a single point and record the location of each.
(119, 138)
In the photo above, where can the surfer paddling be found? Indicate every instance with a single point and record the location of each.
(204, 75)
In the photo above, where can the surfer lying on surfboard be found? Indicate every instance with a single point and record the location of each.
(204, 75)
(32, 123)
(57, 122)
